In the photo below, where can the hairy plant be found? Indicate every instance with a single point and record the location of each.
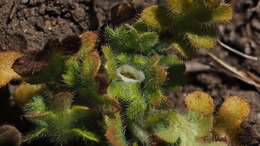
(140, 88)
(186, 24)
(57, 119)
(121, 98)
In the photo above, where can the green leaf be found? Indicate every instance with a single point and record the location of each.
(81, 109)
(136, 109)
(182, 47)
(126, 92)
(140, 60)
(147, 41)
(178, 127)
(86, 135)
(176, 7)
(201, 41)
(124, 38)
(171, 60)
(115, 130)
(171, 127)
(141, 134)
(149, 17)
(35, 134)
(127, 39)
(80, 75)
(36, 105)
(72, 70)
(110, 64)
(223, 13)
(203, 123)
(215, 144)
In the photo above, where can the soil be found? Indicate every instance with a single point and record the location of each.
(31, 24)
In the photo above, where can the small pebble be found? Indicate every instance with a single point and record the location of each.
(256, 24)
(25, 1)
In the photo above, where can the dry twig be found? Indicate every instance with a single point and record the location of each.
(238, 52)
(244, 76)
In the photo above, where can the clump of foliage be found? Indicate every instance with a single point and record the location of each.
(121, 98)
(186, 24)
(57, 119)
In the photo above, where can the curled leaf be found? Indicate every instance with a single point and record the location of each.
(88, 41)
(111, 63)
(6, 72)
(129, 74)
(115, 131)
(91, 64)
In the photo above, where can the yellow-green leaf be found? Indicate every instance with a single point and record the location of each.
(179, 128)
(232, 113)
(176, 6)
(182, 48)
(201, 41)
(223, 13)
(110, 64)
(86, 134)
(200, 102)
(149, 17)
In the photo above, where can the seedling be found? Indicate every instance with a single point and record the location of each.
(58, 120)
(124, 89)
